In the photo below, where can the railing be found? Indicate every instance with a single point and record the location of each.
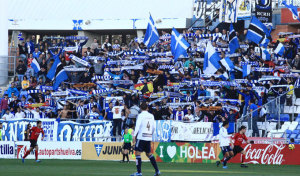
(267, 107)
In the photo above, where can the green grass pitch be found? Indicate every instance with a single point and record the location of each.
(108, 168)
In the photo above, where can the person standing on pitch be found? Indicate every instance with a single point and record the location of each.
(144, 129)
(238, 140)
(126, 145)
(225, 140)
(34, 135)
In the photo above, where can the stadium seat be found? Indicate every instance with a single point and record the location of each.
(293, 135)
(298, 127)
(298, 110)
(286, 109)
(288, 133)
(293, 125)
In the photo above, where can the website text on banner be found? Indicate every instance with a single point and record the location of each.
(106, 151)
(7, 149)
(211, 152)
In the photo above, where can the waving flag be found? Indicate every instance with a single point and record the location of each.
(51, 72)
(265, 55)
(151, 35)
(279, 49)
(20, 36)
(233, 40)
(257, 31)
(227, 63)
(35, 65)
(178, 45)
(292, 8)
(211, 60)
(246, 70)
(60, 75)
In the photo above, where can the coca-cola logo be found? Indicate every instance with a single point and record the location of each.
(271, 154)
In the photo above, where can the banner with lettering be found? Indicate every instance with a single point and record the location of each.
(278, 154)
(162, 132)
(13, 130)
(263, 11)
(192, 131)
(186, 152)
(180, 152)
(93, 131)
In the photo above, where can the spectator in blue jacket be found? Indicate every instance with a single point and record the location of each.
(12, 89)
(36, 54)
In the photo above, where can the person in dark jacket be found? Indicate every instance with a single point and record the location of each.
(85, 78)
(21, 70)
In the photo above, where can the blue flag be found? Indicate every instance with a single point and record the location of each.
(178, 45)
(60, 76)
(211, 60)
(151, 35)
(257, 31)
(233, 40)
(292, 8)
(265, 55)
(246, 70)
(51, 73)
(35, 65)
(227, 63)
(279, 49)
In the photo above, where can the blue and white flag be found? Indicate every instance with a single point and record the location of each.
(51, 73)
(279, 49)
(265, 55)
(246, 70)
(293, 9)
(257, 31)
(60, 75)
(178, 45)
(151, 35)
(35, 65)
(233, 40)
(224, 76)
(211, 60)
(227, 63)
(20, 36)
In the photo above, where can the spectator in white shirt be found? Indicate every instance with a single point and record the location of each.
(36, 113)
(19, 114)
(117, 118)
(189, 117)
(8, 115)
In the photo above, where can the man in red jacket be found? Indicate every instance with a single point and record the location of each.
(34, 135)
(4, 105)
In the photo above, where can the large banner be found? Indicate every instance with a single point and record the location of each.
(228, 11)
(51, 150)
(162, 132)
(293, 2)
(13, 130)
(210, 153)
(106, 151)
(263, 11)
(288, 17)
(7, 149)
(278, 154)
(186, 152)
(243, 9)
(93, 131)
(192, 131)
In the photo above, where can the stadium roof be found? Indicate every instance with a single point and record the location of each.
(97, 14)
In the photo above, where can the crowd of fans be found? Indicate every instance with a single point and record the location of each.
(132, 73)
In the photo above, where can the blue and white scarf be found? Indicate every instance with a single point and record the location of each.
(166, 67)
(77, 59)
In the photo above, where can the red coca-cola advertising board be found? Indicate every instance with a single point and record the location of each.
(288, 17)
(279, 154)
